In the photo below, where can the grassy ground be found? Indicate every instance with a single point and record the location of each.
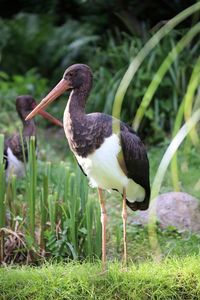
(171, 279)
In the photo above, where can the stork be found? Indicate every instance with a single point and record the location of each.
(112, 160)
(14, 145)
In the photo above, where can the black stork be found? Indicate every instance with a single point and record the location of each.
(111, 160)
(13, 147)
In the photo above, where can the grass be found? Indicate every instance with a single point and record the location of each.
(171, 279)
(52, 209)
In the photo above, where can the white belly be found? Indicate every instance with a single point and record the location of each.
(103, 170)
(15, 166)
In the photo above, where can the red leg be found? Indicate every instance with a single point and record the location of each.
(103, 221)
(124, 217)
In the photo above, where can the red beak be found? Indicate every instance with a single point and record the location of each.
(49, 117)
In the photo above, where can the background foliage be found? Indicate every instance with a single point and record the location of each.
(47, 37)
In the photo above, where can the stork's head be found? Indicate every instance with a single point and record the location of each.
(76, 77)
(26, 103)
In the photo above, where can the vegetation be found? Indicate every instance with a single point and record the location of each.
(49, 213)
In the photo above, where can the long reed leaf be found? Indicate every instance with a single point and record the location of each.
(32, 184)
(52, 211)
(89, 227)
(2, 198)
(153, 41)
(167, 157)
(189, 96)
(2, 183)
(44, 205)
(185, 109)
(161, 72)
(174, 162)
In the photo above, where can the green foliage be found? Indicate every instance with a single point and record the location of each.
(38, 43)
(12, 86)
(43, 48)
(51, 208)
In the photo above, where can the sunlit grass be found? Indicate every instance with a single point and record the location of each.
(171, 279)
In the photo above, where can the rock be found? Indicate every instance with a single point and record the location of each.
(176, 209)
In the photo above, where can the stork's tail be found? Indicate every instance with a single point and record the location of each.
(139, 205)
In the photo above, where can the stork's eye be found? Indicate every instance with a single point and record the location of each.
(70, 74)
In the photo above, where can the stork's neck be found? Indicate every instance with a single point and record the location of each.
(76, 103)
(29, 128)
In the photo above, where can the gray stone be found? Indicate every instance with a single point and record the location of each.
(176, 209)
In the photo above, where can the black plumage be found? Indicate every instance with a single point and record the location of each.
(107, 150)
(88, 133)
(17, 143)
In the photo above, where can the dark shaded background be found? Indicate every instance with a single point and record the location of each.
(105, 13)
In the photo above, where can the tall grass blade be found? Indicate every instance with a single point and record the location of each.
(32, 185)
(52, 211)
(189, 96)
(11, 197)
(2, 198)
(2, 183)
(185, 109)
(174, 162)
(167, 157)
(93, 226)
(89, 226)
(97, 236)
(23, 142)
(161, 72)
(44, 205)
(133, 67)
(73, 202)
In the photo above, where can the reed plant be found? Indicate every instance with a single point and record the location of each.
(51, 209)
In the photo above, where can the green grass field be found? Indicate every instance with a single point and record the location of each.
(171, 279)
